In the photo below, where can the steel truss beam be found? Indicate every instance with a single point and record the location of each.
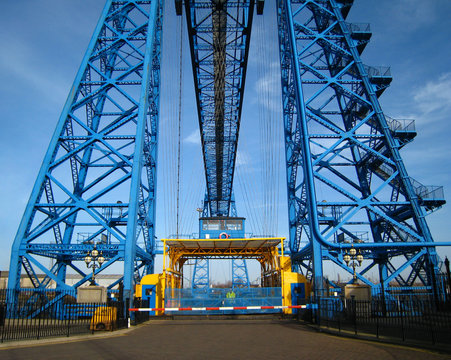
(240, 276)
(219, 36)
(346, 180)
(201, 274)
(97, 183)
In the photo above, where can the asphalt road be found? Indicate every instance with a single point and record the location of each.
(213, 339)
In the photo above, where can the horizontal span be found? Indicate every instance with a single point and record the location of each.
(221, 308)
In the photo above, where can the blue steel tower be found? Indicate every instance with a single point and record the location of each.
(338, 139)
(97, 183)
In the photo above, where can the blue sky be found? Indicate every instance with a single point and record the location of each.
(44, 41)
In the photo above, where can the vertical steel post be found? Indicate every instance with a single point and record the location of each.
(306, 155)
(131, 236)
(107, 140)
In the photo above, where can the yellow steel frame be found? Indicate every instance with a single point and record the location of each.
(175, 256)
(276, 268)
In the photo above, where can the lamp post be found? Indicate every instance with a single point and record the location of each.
(94, 260)
(353, 255)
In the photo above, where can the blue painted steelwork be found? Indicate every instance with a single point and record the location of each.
(206, 206)
(98, 176)
(338, 139)
(221, 227)
(201, 274)
(298, 295)
(219, 36)
(240, 276)
(149, 293)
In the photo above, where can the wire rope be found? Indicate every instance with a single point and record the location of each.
(179, 133)
(270, 138)
(165, 125)
(168, 125)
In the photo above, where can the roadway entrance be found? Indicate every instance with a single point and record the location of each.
(273, 295)
(224, 300)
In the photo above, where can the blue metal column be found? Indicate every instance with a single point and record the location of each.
(97, 183)
(144, 111)
(338, 138)
(240, 276)
(201, 274)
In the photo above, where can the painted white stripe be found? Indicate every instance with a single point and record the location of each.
(221, 308)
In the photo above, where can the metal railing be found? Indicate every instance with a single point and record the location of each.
(408, 319)
(424, 192)
(401, 125)
(377, 71)
(26, 315)
(427, 192)
(359, 27)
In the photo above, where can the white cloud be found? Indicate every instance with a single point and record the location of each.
(435, 96)
(242, 158)
(193, 137)
(268, 88)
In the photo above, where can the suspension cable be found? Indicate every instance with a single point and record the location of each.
(179, 125)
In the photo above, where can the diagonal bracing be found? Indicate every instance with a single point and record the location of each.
(97, 183)
(347, 184)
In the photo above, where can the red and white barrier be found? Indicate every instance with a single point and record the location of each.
(221, 308)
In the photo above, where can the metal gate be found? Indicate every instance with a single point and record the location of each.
(249, 300)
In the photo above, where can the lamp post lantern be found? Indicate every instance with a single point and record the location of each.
(349, 258)
(94, 259)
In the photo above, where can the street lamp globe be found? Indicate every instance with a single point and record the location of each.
(360, 258)
(346, 258)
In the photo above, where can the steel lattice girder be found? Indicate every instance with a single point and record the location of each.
(240, 276)
(201, 274)
(339, 144)
(98, 178)
(219, 36)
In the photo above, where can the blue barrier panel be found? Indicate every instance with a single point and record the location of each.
(217, 297)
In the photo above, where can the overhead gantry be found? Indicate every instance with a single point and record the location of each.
(219, 35)
(264, 250)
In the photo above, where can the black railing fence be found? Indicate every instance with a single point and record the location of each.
(140, 316)
(33, 315)
(407, 319)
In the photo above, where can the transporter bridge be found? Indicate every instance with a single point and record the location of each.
(99, 175)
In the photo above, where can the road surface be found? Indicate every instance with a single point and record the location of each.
(213, 339)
